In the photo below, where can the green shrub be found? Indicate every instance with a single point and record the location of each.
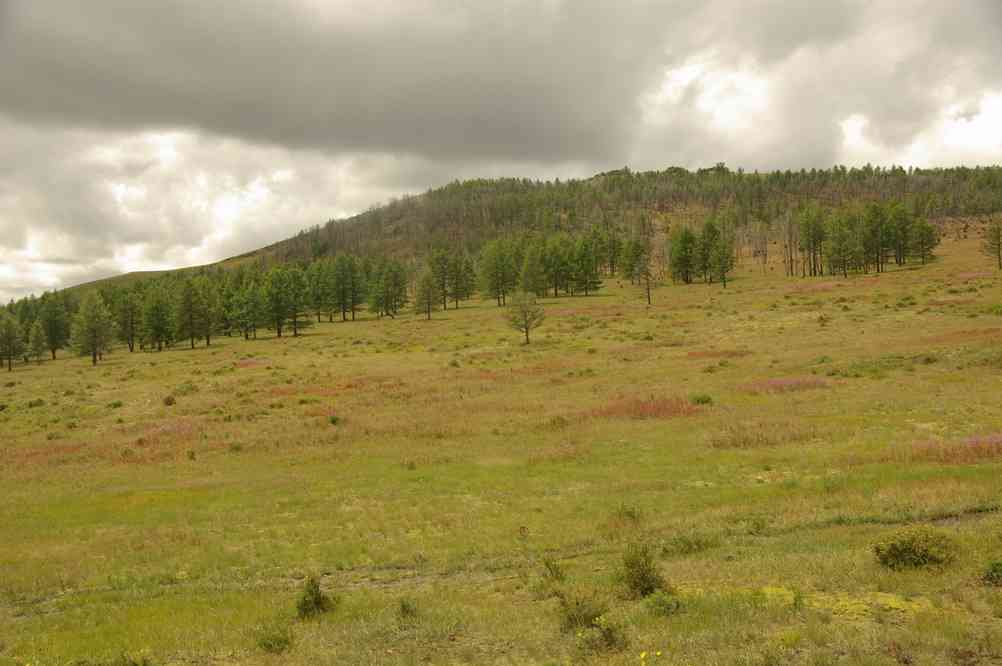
(274, 638)
(663, 603)
(916, 547)
(640, 574)
(993, 574)
(701, 399)
(313, 601)
(114, 404)
(603, 635)
(579, 610)
(169, 400)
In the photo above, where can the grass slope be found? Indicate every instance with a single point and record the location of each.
(461, 460)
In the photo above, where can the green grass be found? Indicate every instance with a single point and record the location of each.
(445, 464)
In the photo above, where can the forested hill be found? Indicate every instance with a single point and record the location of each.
(465, 214)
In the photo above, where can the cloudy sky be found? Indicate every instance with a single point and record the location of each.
(140, 135)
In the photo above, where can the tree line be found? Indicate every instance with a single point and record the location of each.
(286, 296)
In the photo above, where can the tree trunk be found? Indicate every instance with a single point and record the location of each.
(53, 354)
(526, 335)
(93, 357)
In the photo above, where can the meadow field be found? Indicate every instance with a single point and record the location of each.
(463, 498)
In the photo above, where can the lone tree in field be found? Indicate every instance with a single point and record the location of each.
(524, 313)
(93, 327)
(11, 342)
(426, 293)
(992, 245)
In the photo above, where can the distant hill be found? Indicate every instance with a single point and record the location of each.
(465, 214)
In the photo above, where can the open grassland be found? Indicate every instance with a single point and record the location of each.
(458, 491)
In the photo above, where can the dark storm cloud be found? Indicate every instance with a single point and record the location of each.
(509, 81)
(276, 115)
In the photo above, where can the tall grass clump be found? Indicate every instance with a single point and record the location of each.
(312, 601)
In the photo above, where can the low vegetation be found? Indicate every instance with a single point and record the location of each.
(824, 495)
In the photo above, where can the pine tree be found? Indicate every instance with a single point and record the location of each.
(37, 343)
(722, 257)
(11, 340)
(586, 267)
(440, 266)
(299, 299)
(426, 294)
(683, 255)
(189, 311)
(211, 314)
(158, 317)
(56, 323)
(278, 298)
(524, 313)
(708, 238)
(129, 315)
(992, 243)
(533, 276)
(93, 327)
(924, 239)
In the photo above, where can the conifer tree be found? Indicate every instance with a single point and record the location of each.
(533, 275)
(524, 313)
(426, 294)
(278, 298)
(189, 311)
(37, 343)
(93, 327)
(11, 340)
(158, 317)
(992, 243)
(56, 323)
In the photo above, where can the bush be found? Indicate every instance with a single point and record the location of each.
(37, 402)
(114, 404)
(915, 548)
(663, 603)
(993, 574)
(275, 638)
(640, 574)
(603, 635)
(701, 399)
(579, 610)
(169, 400)
(313, 601)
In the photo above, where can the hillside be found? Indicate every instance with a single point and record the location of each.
(466, 214)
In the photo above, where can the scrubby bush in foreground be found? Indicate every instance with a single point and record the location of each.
(915, 548)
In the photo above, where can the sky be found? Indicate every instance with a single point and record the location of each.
(142, 135)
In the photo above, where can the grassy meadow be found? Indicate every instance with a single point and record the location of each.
(453, 490)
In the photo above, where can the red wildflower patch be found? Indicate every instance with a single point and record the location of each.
(785, 385)
(648, 408)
